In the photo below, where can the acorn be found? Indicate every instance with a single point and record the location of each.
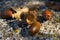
(6, 14)
(31, 17)
(34, 28)
(13, 13)
(46, 14)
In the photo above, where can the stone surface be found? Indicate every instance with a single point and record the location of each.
(50, 30)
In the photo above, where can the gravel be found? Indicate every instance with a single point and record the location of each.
(50, 30)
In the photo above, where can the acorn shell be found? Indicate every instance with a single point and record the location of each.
(34, 28)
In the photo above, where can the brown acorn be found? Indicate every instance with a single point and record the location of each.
(6, 14)
(31, 17)
(34, 28)
(46, 14)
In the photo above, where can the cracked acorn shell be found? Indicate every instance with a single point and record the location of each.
(34, 28)
(46, 14)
